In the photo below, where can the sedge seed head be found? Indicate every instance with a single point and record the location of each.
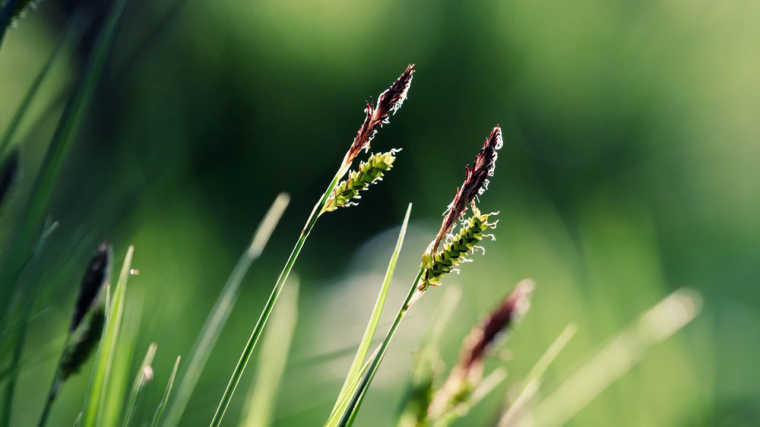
(388, 103)
(83, 342)
(456, 249)
(369, 172)
(475, 183)
(96, 275)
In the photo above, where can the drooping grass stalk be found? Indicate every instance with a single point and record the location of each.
(144, 375)
(272, 361)
(167, 393)
(388, 103)
(355, 370)
(535, 376)
(435, 262)
(106, 353)
(222, 309)
(68, 124)
(615, 359)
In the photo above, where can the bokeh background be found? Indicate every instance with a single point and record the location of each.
(629, 169)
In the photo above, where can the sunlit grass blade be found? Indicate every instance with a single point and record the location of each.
(272, 360)
(355, 371)
(166, 395)
(221, 310)
(144, 375)
(108, 345)
(68, 124)
(615, 359)
(533, 380)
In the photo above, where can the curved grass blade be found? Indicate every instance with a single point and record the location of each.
(355, 371)
(221, 310)
(272, 360)
(108, 343)
(167, 393)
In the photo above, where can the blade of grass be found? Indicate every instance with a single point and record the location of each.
(167, 393)
(245, 355)
(64, 134)
(352, 409)
(108, 344)
(355, 371)
(221, 310)
(616, 358)
(272, 360)
(27, 303)
(533, 380)
(484, 388)
(73, 31)
(141, 379)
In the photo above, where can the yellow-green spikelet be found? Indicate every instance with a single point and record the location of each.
(369, 172)
(455, 249)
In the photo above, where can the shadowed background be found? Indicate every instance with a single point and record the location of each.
(628, 170)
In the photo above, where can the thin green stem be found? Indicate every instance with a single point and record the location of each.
(52, 394)
(353, 407)
(253, 339)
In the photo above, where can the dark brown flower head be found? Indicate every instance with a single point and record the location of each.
(480, 339)
(475, 183)
(95, 277)
(375, 117)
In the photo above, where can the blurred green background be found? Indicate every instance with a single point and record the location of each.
(629, 169)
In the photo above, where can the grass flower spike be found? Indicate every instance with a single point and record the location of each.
(475, 184)
(370, 172)
(389, 102)
(87, 323)
(467, 375)
(456, 249)
(334, 196)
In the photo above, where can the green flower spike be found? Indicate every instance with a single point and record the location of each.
(370, 172)
(457, 247)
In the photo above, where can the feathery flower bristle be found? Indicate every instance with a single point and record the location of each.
(475, 183)
(468, 372)
(94, 278)
(455, 249)
(389, 102)
(369, 172)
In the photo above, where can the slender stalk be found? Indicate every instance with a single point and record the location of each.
(348, 415)
(141, 379)
(355, 371)
(167, 393)
(219, 314)
(52, 394)
(253, 339)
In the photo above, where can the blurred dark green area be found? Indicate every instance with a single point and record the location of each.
(628, 170)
